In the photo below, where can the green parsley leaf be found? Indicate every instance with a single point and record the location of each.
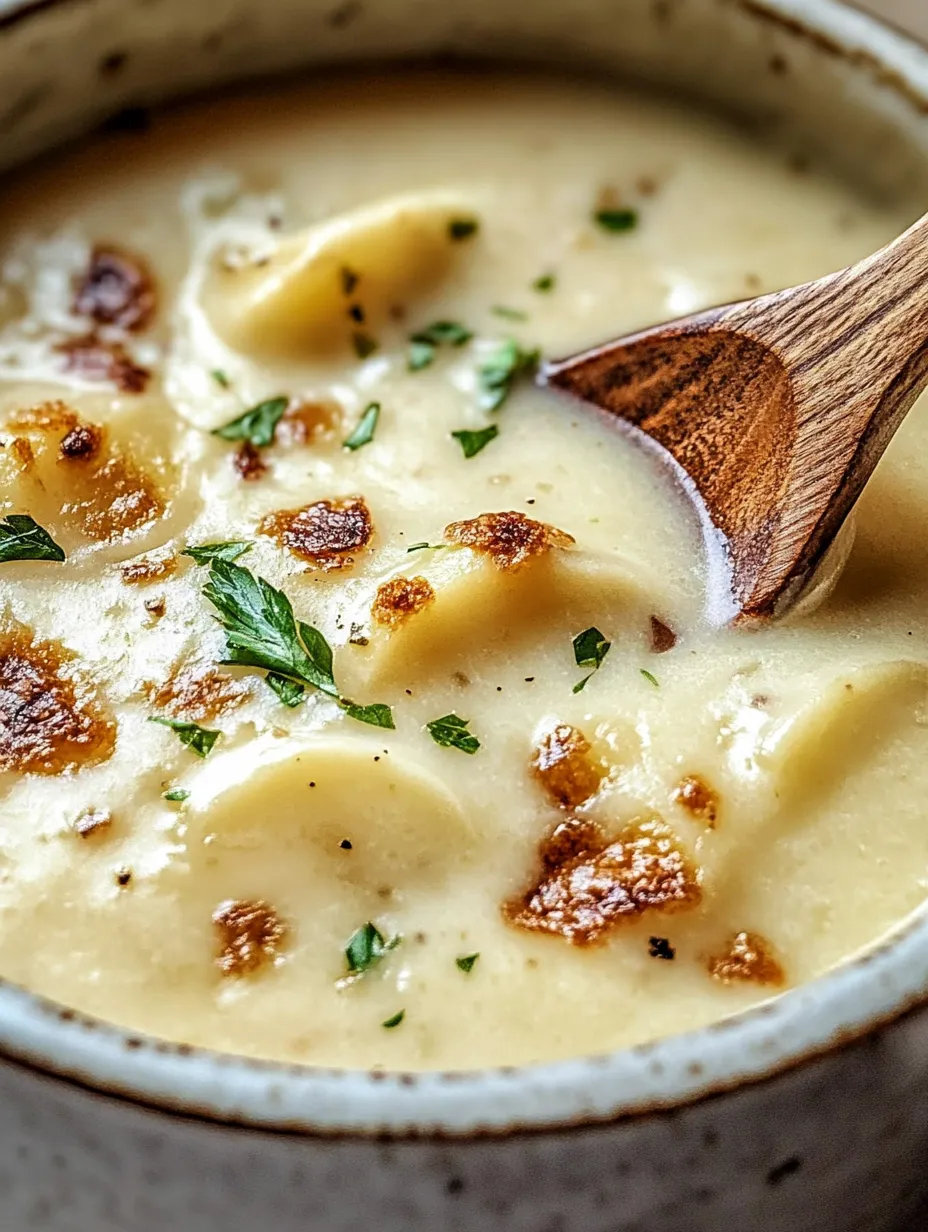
(394, 1021)
(230, 549)
(418, 547)
(199, 740)
(220, 378)
(288, 691)
(546, 282)
(364, 344)
(366, 947)
(451, 732)
(261, 630)
(257, 425)
(581, 684)
(616, 220)
(176, 795)
(367, 426)
(590, 648)
(424, 343)
(509, 314)
(466, 963)
(421, 355)
(22, 538)
(651, 679)
(472, 442)
(463, 228)
(377, 714)
(497, 375)
(349, 279)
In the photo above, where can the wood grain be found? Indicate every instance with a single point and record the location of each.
(777, 408)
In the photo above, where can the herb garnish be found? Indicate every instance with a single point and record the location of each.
(288, 691)
(472, 442)
(230, 549)
(497, 375)
(424, 343)
(394, 1021)
(199, 740)
(651, 679)
(367, 426)
(466, 963)
(463, 228)
(221, 378)
(256, 426)
(451, 732)
(509, 314)
(590, 648)
(176, 795)
(349, 279)
(616, 220)
(364, 344)
(433, 547)
(366, 947)
(261, 631)
(22, 538)
(545, 283)
(660, 947)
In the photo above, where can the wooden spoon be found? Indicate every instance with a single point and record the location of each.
(776, 409)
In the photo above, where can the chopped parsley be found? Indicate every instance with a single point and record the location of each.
(466, 962)
(349, 279)
(377, 714)
(199, 740)
(424, 344)
(22, 538)
(497, 375)
(472, 442)
(660, 947)
(590, 648)
(432, 547)
(256, 426)
(364, 344)
(289, 692)
(616, 220)
(395, 1021)
(650, 678)
(545, 283)
(509, 314)
(367, 426)
(366, 947)
(221, 378)
(176, 795)
(463, 228)
(203, 553)
(420, 355)
(451, 733)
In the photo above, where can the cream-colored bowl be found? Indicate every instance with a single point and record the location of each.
(810, 1112)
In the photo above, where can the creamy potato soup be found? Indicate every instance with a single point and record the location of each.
(361, 702)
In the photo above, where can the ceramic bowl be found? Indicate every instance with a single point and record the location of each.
(810, 1112)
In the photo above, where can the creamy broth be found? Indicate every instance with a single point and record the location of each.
(713, 817)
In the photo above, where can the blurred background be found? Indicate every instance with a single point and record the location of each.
(910, 13)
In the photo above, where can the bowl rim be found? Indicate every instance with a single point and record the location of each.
(856, 999)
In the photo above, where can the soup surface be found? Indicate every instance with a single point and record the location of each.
(438, 760)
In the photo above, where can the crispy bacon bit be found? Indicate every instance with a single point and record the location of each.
(49, 722)
(325, 533)
(401, 598)
(303, 423)
(249, 935)
(155, 607)
(749, 959)
(696, 796)
(248, 462)
(509, 539)
(117, 289)
(83, 441)
(663, 637)
(92, 821)
(46, 417)
(563, 766)
(196, 692)
(147, 568)
(23, 454)
(95, 360)
(589, 885)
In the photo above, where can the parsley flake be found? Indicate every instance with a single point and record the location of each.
(367, 426)
(497, 375)
(421, 354)
(424, 344)
(432, 547)
(650, 678)
(221, 378)
(545, 283)
(616, 220)
(366, 947)
(176, 795)
(349, 279)
(256, 426)
(509, 314)
(451, 732)
(463, 228)
(466, 963)
(364, 344)
(230, 549)
(395, 1021)
(22, 538)
(377, 714)
(289, 692)
(590, 648)
(472, 442)
(198, 740)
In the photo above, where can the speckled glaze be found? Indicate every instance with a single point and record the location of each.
(809, 1113)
